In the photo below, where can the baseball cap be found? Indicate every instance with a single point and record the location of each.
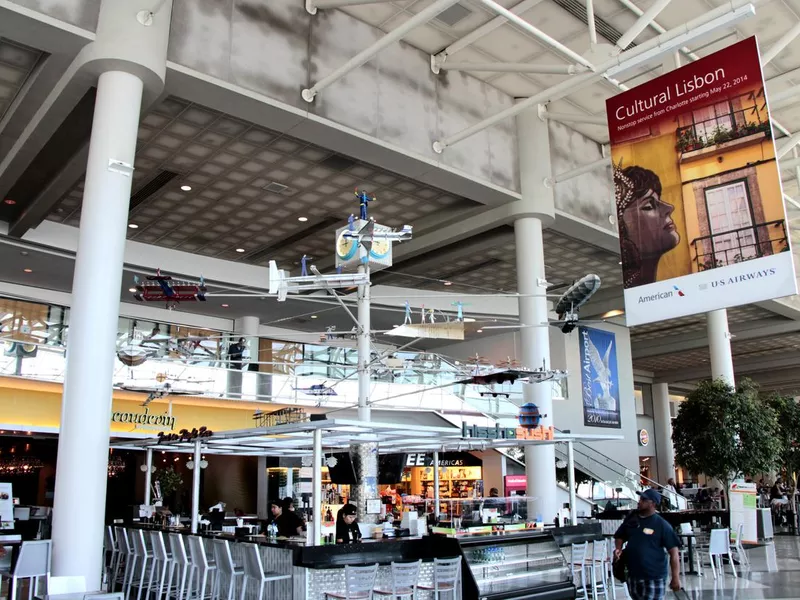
(652, 495)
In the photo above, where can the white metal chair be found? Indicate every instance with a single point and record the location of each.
(161, 568)
(125, 559)
(598, 569)
(179, 566)
(609, 565)
(110, 556)
(446, 578)
(358, 583)
(201, 568)
(719, 545)
(33, 562)
(738, 548)
(226, 568)
(254, 571)
(141, 557)
(404, 581)
(578, 561)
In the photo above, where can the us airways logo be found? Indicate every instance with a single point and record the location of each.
(743, 278)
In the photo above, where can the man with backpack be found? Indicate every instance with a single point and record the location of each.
(650, 540)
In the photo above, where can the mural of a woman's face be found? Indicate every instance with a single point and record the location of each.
(648, 221)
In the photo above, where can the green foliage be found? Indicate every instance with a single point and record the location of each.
(170, 480)
(787, 411)
(726, 432)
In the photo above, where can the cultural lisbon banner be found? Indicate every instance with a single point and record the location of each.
(599, 378)
(698, 193)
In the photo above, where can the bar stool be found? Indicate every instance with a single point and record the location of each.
(141, 555)
(254, 570)
(358, 583)
(201, 567)
(122, 558)
(162, 564)
(33, 562)
(446, 577)
(110, 554)
(179, 567)
(404, 581)
(578, 559)
(226, 567)
(598, 567)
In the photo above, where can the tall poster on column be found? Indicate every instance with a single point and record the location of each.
(699, 204)
(599, 378)
(6, 504)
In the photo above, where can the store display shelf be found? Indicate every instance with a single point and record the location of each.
(517, 561)
(504, 577)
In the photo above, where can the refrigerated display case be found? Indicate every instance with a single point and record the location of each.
(516, 566)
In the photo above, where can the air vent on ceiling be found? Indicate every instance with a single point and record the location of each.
(577, 8)
(276, 188)
(151, 187)
(325, 224)
(337, 162)
(453, 15)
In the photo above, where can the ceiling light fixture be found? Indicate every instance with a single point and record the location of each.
(479, 331)
(186, 188)
(240, 250)
(302, 219)
(28, 270)
(225, 305)
(9, 201)
(448, 282)
(133, 226)
(314, 317)
(132, 290)
(617, 312)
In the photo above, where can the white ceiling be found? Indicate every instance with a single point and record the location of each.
(16, 65)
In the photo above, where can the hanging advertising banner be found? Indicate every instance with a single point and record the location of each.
(699, 204)
(6, 504)
(599, 378)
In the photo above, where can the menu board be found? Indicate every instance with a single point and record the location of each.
(6, 503)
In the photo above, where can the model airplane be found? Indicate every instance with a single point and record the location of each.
(318, 389)
(163, 288)
(331, 335)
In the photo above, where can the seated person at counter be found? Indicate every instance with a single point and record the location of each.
(347, 530)
(288, 522)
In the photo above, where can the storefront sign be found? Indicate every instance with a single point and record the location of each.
(144, 418)
(700, 210)
(280, 417)
(508, 433)
(599, 378)
(184, 435)
(446, 459)
(644, 437)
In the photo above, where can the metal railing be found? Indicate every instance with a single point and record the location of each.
(720, 129)
(739, 245)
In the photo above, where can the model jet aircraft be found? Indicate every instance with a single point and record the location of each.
(318, 389)
(163, 288)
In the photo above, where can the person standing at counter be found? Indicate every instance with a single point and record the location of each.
(347, 530)
(288, 522)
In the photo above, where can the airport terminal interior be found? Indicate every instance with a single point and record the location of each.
(398, 298)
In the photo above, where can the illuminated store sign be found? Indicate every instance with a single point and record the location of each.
(508, 433)
(184, 435)
(144, 418)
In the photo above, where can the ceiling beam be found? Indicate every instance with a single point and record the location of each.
(742, 367)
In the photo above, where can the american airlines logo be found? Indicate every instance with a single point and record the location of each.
(673, 293)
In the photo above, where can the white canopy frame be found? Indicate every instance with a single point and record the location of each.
(312, 438)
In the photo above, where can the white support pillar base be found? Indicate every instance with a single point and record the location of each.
(719, 346)
(662, 421)
(82, 470)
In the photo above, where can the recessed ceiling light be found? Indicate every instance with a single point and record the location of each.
(132, 290)
(469, 320)
(448, 283)
(28, 270)
(617, 312)
(480, 331)
(302, 219)
(620, 262)
(314, 317)
(186, 188)
(133, 226)
(9, 201)
(240, 249)
(225, 305)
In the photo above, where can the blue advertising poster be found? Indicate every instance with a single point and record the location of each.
(599, 378)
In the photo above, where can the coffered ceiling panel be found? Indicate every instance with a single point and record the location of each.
(16, 65)
(214, 185)
(694, 323)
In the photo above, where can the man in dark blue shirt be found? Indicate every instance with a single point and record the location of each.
(650, 538)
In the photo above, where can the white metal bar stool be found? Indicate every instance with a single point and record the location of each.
(141, 557)
(599, 570)
(180, 566)
(110, 556)
(162, 566)
(446, 578)
(404, 581)
(201, 567)
(33, 562)
(254, 571)
(126, 562)
(226, 568)
(359, 583)
(578, 562)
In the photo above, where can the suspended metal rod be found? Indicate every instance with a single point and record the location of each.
(572, 173)
(486, 29)
(791, 201)
(655, 26)
(788, 145)
(313, 5)
(537, 33)
(365, 55)
(777, 47)
(639, 55)
(784, 98)
(570, 118)
(786, 165)
(511, 68)
(641, 24)
(590, 20)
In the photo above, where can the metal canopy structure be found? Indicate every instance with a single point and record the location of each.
(295, 439)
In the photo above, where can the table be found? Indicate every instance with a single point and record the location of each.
(690, 537)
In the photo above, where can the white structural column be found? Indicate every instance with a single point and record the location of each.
(262, 489)
(719, 345)
(436, 485)
(148, 475)
(316, 488)
(363, 344)
(535, 207)
(132, 61)
(238, 384)
(573, 506)
(196, 473)
(662, 421)
(81, 473)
